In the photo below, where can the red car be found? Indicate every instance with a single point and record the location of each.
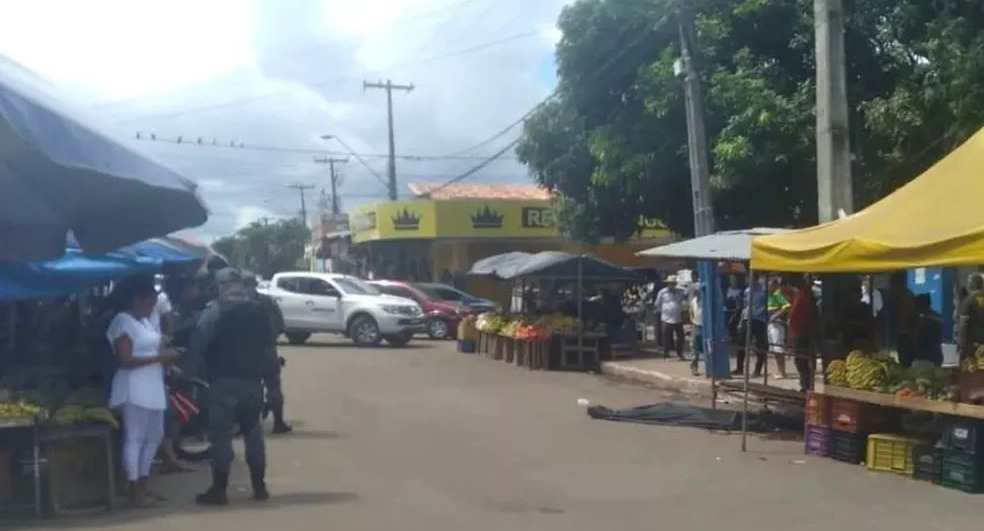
(442, 316)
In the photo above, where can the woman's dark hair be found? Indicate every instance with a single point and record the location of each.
(130, 288)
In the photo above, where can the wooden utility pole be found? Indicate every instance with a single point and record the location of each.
(389, 87)
(333, 175)
(301, 188)
(834, 185)
(700, 180)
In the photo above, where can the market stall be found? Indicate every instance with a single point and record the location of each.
(721, 249)
(561, 338)
(56, 434)
(851, 416)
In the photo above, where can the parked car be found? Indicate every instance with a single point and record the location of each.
(448, 293)
(442, 316)
(342, 304)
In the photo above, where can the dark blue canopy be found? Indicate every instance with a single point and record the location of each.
(61, 172)
(72, 273)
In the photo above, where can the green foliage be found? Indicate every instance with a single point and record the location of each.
(612, 142)
(266, 248)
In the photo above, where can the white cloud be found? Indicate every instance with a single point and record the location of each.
(285, 72)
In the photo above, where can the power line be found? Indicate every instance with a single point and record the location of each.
(475, 169)
(241, 101)
(301, 188)
(205, 142)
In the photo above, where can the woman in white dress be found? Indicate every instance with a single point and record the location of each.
(138, 385)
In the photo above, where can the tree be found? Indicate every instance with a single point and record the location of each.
(612, 142)
(266, 248)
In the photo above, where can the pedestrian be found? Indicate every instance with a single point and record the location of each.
(801, 308)
(669, 305)
(274, 385)
(777, 304)
(232, 342)
(903, 318)
(754, 323)
(971, 322)
(138, 384)
(697, 319)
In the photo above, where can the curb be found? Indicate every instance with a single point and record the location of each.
(660, 380)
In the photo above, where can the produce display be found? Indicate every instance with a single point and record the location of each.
(15, 407)
(527, 328)
(882, 374)
(84, 406)
(974, 363)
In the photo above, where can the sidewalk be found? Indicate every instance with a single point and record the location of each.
(674, 375)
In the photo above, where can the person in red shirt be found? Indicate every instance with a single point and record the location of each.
(801, 329)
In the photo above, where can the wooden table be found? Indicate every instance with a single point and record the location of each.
(915, 404)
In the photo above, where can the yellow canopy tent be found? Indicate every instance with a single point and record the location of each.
(937, 219)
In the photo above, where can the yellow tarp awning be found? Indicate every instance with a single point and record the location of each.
(937, 219)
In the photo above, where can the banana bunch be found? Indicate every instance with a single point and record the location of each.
(974, 363)
(76, 414)
(865, 373)
(837, 373)
(18, 410)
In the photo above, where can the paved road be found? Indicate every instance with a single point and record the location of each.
(426, 439)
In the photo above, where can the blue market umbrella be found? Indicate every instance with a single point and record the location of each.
(59, 172)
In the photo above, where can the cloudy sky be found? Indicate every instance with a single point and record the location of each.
(282, 73)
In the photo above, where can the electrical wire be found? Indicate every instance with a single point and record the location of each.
(261, 97)
(216, 144)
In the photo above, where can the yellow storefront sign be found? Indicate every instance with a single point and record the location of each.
(463, 218)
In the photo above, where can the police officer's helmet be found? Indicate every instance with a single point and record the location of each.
(228, 275)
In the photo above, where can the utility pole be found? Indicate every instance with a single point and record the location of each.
(834, 185)
(700, 181)
(331, 161)
(389, 87)
(301, 188)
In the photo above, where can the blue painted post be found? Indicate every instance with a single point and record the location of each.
(717, 358)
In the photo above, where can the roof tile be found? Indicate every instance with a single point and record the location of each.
(529, 192)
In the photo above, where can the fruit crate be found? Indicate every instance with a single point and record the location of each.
(817, 440)
(964, 435)
(891, 453)
(817, 410)
(847, 447)
(928, 463)
(848, 416)
(962, 471)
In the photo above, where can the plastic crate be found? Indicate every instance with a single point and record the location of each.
(817, 410)
(962, 471)
(847, 447)
(928, 463)
(963, 435)
(817, 440)
(891, 453)
(848, 416)
(466, 347)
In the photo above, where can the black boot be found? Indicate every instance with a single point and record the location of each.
(260, 492)
(279, 425)
(216, 494)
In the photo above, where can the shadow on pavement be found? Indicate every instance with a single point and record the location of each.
(239, 501)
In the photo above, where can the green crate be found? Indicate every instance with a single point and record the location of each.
(962, 471)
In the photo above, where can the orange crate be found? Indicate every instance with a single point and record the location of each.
(817, 410)
(849, 416)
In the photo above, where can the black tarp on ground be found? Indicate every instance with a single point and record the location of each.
(689, 416)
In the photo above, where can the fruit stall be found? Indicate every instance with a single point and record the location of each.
(920, 422)
(547, 342)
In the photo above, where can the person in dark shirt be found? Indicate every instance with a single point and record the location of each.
(971, 313)
(274, 385)
(930, 332)
(231, 346)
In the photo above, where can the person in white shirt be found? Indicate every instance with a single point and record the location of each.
(697, 319)
(162, 316)
(138, 384)
(669, 305)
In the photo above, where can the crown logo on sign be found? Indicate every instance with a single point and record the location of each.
(486, 218)
(406, 220)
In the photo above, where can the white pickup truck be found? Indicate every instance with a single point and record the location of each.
(342, 304)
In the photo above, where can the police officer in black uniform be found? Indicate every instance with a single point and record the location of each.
(274, 387)
(232, 344)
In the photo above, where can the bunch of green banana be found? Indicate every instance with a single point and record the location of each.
(837, 373)
(867, 374)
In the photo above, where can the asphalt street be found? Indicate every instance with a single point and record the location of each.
(423, 438)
